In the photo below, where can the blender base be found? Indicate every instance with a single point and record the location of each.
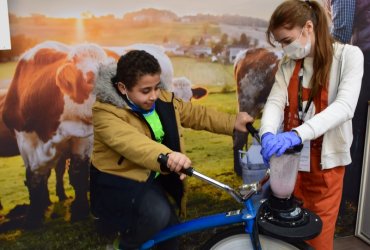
(284, 219)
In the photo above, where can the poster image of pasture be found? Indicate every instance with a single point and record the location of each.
(200, 38)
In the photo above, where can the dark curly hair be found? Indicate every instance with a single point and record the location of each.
(133, 65)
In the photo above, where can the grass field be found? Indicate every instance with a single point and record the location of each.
(6, 73)
(203, 72)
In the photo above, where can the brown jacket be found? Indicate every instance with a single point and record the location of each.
(123, 144)
(120, 132)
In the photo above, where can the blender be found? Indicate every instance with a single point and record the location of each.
(282, 215)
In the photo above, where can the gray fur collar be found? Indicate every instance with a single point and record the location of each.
(104, 90)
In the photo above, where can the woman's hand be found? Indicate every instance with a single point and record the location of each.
(290, 139)
(242, 118)
(177, 161)
(270, 144)
(277, 144)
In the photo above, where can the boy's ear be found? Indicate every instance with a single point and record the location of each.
(121, 87)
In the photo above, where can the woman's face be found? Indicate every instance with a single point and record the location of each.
(145, 92)
(285, 36)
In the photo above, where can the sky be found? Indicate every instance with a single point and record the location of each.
(74, 8)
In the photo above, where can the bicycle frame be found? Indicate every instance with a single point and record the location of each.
(246, 215)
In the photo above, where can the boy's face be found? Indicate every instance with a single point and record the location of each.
(145, 92)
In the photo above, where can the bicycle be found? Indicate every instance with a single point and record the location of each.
(243, 232)
(244, 235)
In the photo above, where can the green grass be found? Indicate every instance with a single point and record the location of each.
(13, 191)
(203, 72)
(7, 70)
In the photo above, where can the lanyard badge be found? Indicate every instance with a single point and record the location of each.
(302, 114)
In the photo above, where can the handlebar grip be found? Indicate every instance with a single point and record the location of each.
(163, 159)
(253, 131)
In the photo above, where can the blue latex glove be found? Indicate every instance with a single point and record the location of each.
(270, 144)
(289, 139)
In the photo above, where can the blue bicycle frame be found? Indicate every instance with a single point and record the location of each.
(246, 215)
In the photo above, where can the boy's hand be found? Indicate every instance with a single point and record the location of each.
(177, 161)
(242, 118)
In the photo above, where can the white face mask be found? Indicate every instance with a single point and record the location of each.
(296, 51)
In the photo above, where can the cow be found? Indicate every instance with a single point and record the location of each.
(8, 145)
(47, 111)
(183, 89)
(254, 72)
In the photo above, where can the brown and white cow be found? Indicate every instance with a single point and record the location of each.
(48, 108)
(254, 72)
(8, 145)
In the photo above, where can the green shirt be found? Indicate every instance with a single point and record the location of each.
(156, 125)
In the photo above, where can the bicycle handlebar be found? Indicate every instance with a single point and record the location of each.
(250, 189)
(162, 159)
(245, 192)
(254, 132)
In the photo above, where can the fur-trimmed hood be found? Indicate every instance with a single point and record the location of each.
(104, 89)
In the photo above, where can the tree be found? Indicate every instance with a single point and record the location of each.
(218, 48)
(205, 28)
(192, 42)
(224, 39)
(244, 40)
(256, 42)
(201, 41)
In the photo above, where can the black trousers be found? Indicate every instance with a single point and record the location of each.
(352, 177)
(138, 210)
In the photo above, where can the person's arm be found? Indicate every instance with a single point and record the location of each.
(343, 107)
(273, 111)
(343, 12)
(205, 118)
(199, 117)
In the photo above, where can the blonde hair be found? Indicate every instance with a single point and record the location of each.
(292, 13)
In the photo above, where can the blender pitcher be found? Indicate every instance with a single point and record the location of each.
(283, 173)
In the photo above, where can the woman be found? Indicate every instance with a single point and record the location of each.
(314, 97)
